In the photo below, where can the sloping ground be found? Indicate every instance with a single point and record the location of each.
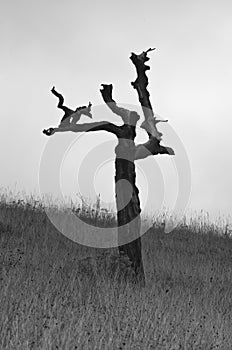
(59, 295)
(30, 241)
(185, 256)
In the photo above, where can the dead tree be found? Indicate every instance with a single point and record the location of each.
(127, 194)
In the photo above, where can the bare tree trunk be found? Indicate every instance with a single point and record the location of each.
(127, 200)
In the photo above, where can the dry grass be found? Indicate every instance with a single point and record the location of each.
(58, 295)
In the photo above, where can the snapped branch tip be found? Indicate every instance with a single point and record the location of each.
(150, 49)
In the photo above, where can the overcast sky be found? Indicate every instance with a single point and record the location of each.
(76, 46)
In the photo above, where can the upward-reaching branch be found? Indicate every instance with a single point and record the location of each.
(140, 84)
(153, 146)
(128, 117)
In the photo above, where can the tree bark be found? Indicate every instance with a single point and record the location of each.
(126, 192)
(128, 204)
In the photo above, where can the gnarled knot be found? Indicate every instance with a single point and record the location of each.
(48, 132)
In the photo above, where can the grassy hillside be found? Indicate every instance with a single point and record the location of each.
(56, 294)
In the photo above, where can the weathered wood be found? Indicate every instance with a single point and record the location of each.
(151, 147)
(128, 206)
(85, 127)
(150, 122)
(127, 194)
(70, 115)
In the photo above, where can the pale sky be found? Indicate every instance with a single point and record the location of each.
(76, 46)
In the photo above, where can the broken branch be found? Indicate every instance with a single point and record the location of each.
(86, 127)
(86, 110)
(128, 117)
(140, 84)
(151, 147)
(150, 122)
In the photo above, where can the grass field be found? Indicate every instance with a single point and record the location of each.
(56, 294)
